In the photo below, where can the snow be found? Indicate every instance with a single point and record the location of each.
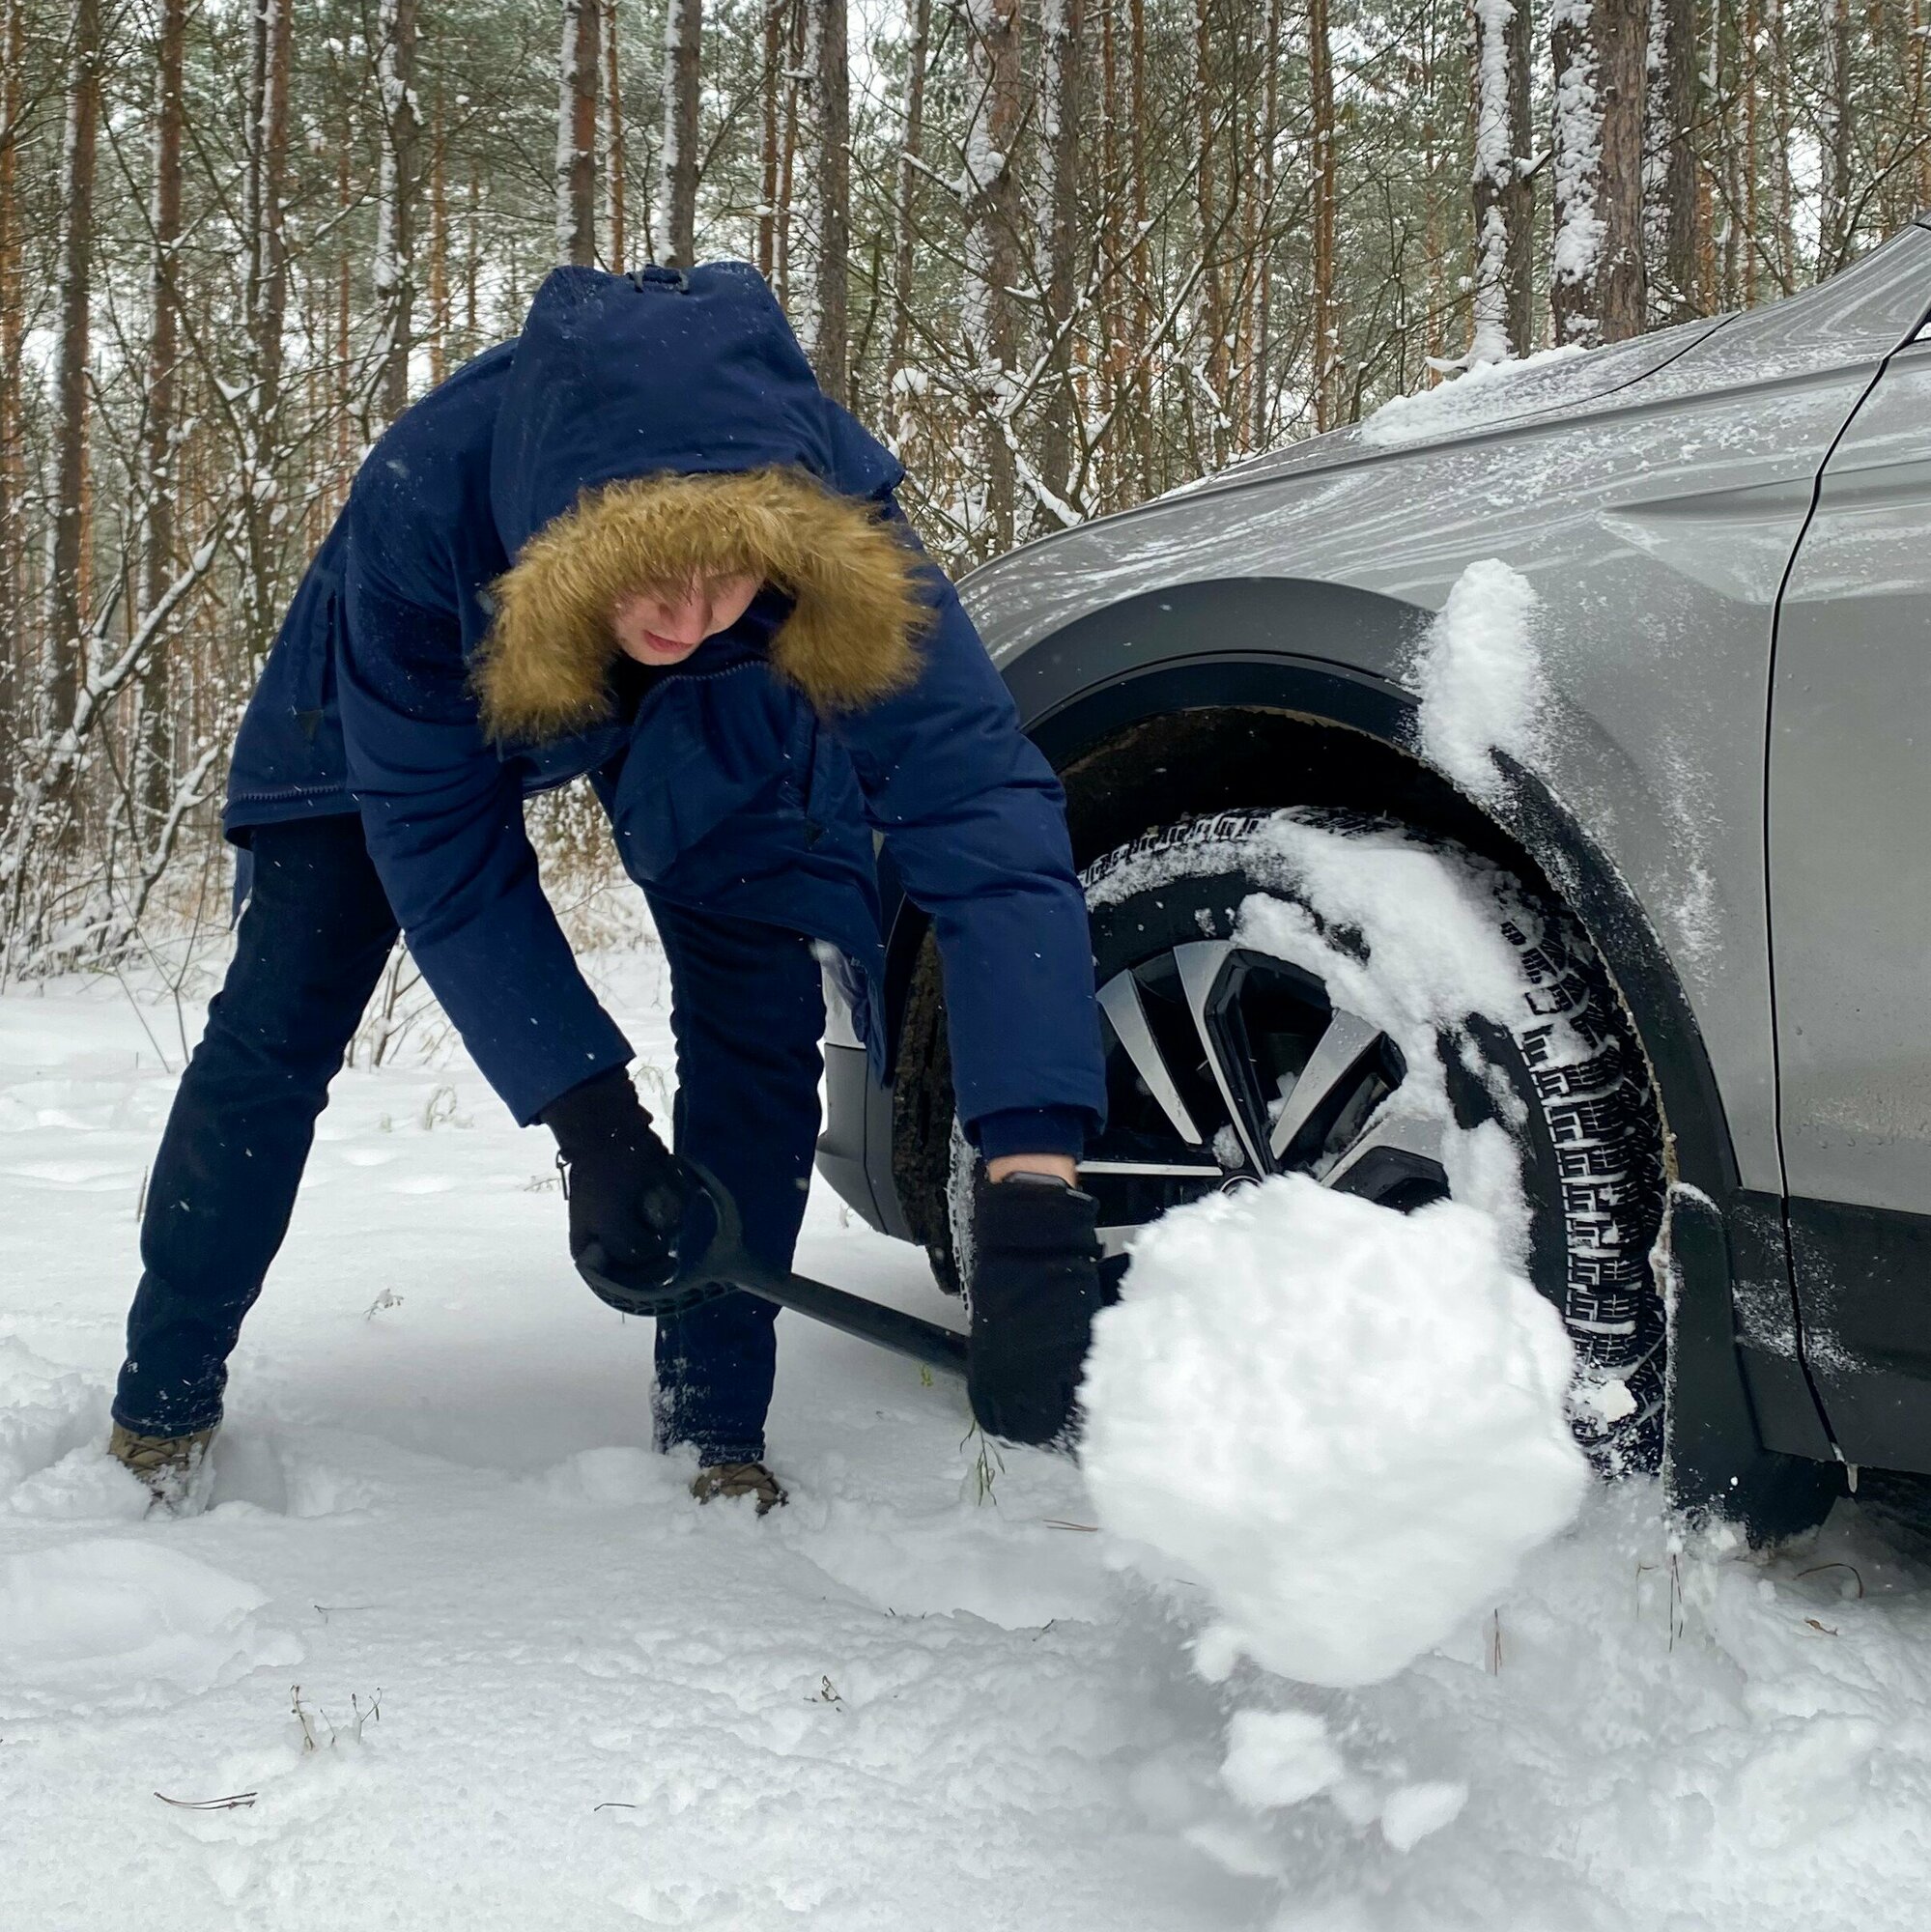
(1486, 392)
(892, 1704)
(101, 1621)
(1344, 1424)
(1481, 679)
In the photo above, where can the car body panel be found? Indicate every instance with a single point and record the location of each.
(1850, 866)
(1656, 523)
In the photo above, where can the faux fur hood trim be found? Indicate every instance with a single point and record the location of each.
(851, 638)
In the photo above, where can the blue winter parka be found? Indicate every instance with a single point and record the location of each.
(727, 790)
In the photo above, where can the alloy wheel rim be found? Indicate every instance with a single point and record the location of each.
(1226, 1066)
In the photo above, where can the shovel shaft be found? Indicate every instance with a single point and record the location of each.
(904, 1334)
(724, 1261)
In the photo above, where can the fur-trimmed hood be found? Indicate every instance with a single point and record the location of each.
(850, 637)
(663, 425)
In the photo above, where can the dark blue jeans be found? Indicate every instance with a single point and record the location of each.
(747, 1013)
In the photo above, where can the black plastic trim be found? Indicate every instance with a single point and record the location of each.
(1866, 1277)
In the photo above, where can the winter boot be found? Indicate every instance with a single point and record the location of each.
(171, 1466)
(732, 1480)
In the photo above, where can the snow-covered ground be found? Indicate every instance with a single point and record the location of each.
(540, 1687)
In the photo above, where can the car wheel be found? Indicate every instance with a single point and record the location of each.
(1285, 1041)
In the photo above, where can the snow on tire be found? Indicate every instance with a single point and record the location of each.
(1336, 993)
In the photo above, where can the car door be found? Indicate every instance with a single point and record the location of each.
(1849, 891)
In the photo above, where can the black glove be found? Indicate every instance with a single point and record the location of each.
(627, 1191)
(1034, 1291)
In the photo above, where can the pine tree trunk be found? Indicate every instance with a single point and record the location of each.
(395, 230)
(1504, 195)
(1261, 386)
(1683, 240)
(1621, 30)
(13, 454)
(268, 305)
(1783, 188)
(60, 667)
(349, 403)
(155, 752)
(1833, 238)
(1320, 110)
(1206, 208)
(577, 135)
(1921, 98)
(677, 221)
(1114, 291)
(1140, 348)
(825, 109)
(472, 208)
(771, 96)
(1749, 81)
(905, 238)
(991, 210)
(1056, 219)
(438, 246)
(1581, 137)
(617, 184)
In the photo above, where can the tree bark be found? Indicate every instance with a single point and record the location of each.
(677, 223)
(771, 97)
(991, 198)
(826, 103)
(577, 135)
(61, 668)
(1595, 291)
(617, 184)
(12, 452)
(395, 230)
(1622, 50)
(1057, 222)
(1682, 240)
(1140, 348)
(1504, 315)
(1260, 388)
(268, 306)
(1207, 89)
(154, 754)
(911, 151)
(1833, 216)
(438, 246)
(1320, 110)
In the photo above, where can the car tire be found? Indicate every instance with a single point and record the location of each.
(1558, 1066)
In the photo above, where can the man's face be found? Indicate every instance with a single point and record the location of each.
(664, 625)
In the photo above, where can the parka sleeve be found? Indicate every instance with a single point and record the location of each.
(974, 820)
(443, 818)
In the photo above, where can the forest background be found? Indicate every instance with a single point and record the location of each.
(1063, 254)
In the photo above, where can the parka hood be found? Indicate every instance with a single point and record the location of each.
(664, 425)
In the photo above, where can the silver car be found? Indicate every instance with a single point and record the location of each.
(1718, 865)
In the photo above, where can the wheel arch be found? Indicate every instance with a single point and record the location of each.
(1212, 690)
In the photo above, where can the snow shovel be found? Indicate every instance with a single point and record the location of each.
(722, 1263)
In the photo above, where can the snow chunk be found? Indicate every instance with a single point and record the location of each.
(1413, 1812)
(1346, 1423)
(1278, 1758)
(1481, 678)
(126, 1623)
(1484, 393)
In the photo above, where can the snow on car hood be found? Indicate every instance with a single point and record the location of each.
(1552, 380)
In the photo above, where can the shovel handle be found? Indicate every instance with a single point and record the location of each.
(723, 1261)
